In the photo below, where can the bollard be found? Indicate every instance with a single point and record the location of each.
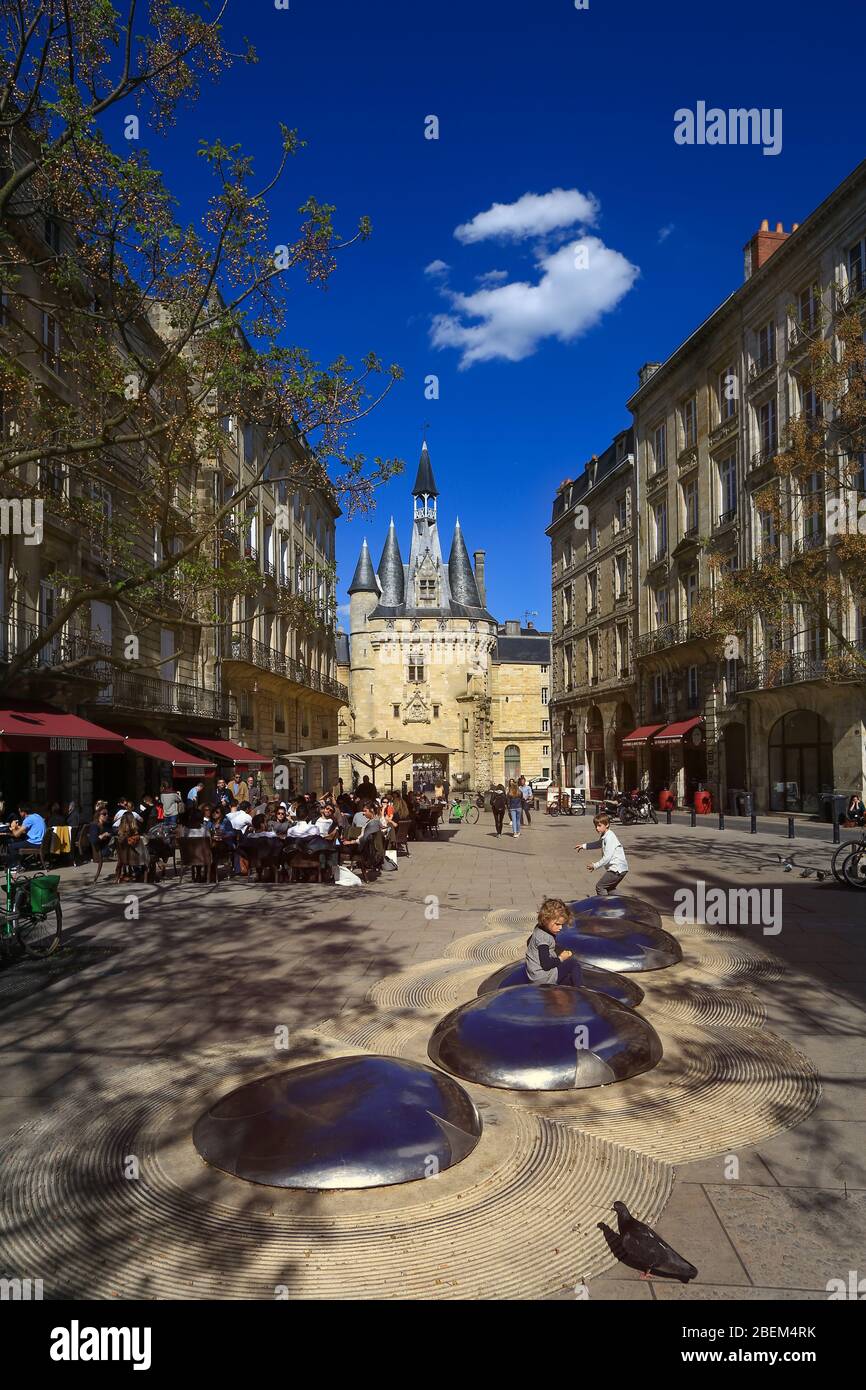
(836, 836)
(790, 827)
(694, 818)
(668, 816)
(753, 824)
(721, 820)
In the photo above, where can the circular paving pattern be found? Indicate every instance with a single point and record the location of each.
(349, 1122)
(617, 987)
(554, 1038)
(430, 985)
(515, 1220)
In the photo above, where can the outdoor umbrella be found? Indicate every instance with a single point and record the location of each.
(374, 753)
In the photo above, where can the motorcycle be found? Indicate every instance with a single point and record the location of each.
(643, 808)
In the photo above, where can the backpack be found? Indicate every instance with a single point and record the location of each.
(498, 801)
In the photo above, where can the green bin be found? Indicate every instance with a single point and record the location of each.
(43, 892)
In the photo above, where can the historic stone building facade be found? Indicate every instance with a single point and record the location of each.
(593, 538)
(708, 422)
(426, 659)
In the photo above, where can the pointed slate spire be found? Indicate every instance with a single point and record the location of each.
(364, 578)
(425, 482)
(391, 570)
(464, 590)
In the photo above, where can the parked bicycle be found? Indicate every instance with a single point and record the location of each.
(465, 810)
(31, 917)
(849, 863)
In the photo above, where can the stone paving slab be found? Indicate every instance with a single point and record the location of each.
(207, 965)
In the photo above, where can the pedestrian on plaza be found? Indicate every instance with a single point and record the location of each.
(612, 861)
(235, 786)
(243, 794)
(498, 805)
(171, 804)
(526, 793)
(515, 807)
(545, 965)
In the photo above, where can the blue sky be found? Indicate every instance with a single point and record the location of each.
(530, 98)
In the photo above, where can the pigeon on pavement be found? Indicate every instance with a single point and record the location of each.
(644, 1249)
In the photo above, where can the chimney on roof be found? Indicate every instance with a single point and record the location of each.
(530, 627)
(646, 372)
(761, 246)
(512, 627)
(478, 558)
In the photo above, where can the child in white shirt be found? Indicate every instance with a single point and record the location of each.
(612, 860)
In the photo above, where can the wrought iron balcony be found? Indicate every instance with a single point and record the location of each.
(792, 668)
(727, 517)
(725, 428)
(764, 455)
(254, 653)
(761, 368)
(817, 541)
(15, 638)
(133, 690)
(849, 295)
(667, 635)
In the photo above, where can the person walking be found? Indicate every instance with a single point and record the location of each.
(526, 793)
(515, 807)
(612, 861)
(498, 805)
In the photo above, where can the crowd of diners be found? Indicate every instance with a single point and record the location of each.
(237, 825)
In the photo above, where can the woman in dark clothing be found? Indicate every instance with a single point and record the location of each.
(498, 805)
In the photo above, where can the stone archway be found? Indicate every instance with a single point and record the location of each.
(800, 754)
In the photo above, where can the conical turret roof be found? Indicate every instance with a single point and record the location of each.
(461, 579)
(425, 482)
(391, 570)
(364, 578)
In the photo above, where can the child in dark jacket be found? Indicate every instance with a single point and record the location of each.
(545, 965)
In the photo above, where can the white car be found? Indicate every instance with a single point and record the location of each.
(540, 784)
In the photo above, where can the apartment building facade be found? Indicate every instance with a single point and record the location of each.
(730, 715)
(593, 538)
(212, 680)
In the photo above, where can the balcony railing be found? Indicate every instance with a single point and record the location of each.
(761, 368)
(254, 653)
(764, 455)
(849, 295)
(132, 690)
(816, 541)
(727, 517)
(765, 673)
(666, 635)
(15, 638)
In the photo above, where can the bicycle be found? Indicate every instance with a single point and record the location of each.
(32, 915)
(841, 855)
(853, 867)
(465, 811)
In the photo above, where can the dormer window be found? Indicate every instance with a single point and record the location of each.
(426, 593)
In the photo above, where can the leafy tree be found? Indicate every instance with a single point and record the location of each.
(129, 337)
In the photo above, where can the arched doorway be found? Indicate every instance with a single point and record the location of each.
(512, 762)
(595, 752)
(736, 770)
(569, 745)
(801, 762)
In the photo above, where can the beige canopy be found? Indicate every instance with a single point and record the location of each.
(377, 752)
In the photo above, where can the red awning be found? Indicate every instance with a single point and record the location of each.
(33, 729)
(638, 737)
(675, 733)
(184, 764)
(227, 752)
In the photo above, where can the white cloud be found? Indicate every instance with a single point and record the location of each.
(577, 285)
(664, 232)
(492, 277)
(436, 268)
(532, 215)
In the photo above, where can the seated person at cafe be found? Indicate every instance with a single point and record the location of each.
(279, 821)
(28, 829)
(100, 833)
(364, 846)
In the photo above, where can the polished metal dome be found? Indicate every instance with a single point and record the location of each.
(602, 981)
(615, 906)
(544, 1038)
(366, 1121)
(620, 944)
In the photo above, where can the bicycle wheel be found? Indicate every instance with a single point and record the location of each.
(854, 868)
(840, 855)
(40, 936)
(471, 815)
(553, 809)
